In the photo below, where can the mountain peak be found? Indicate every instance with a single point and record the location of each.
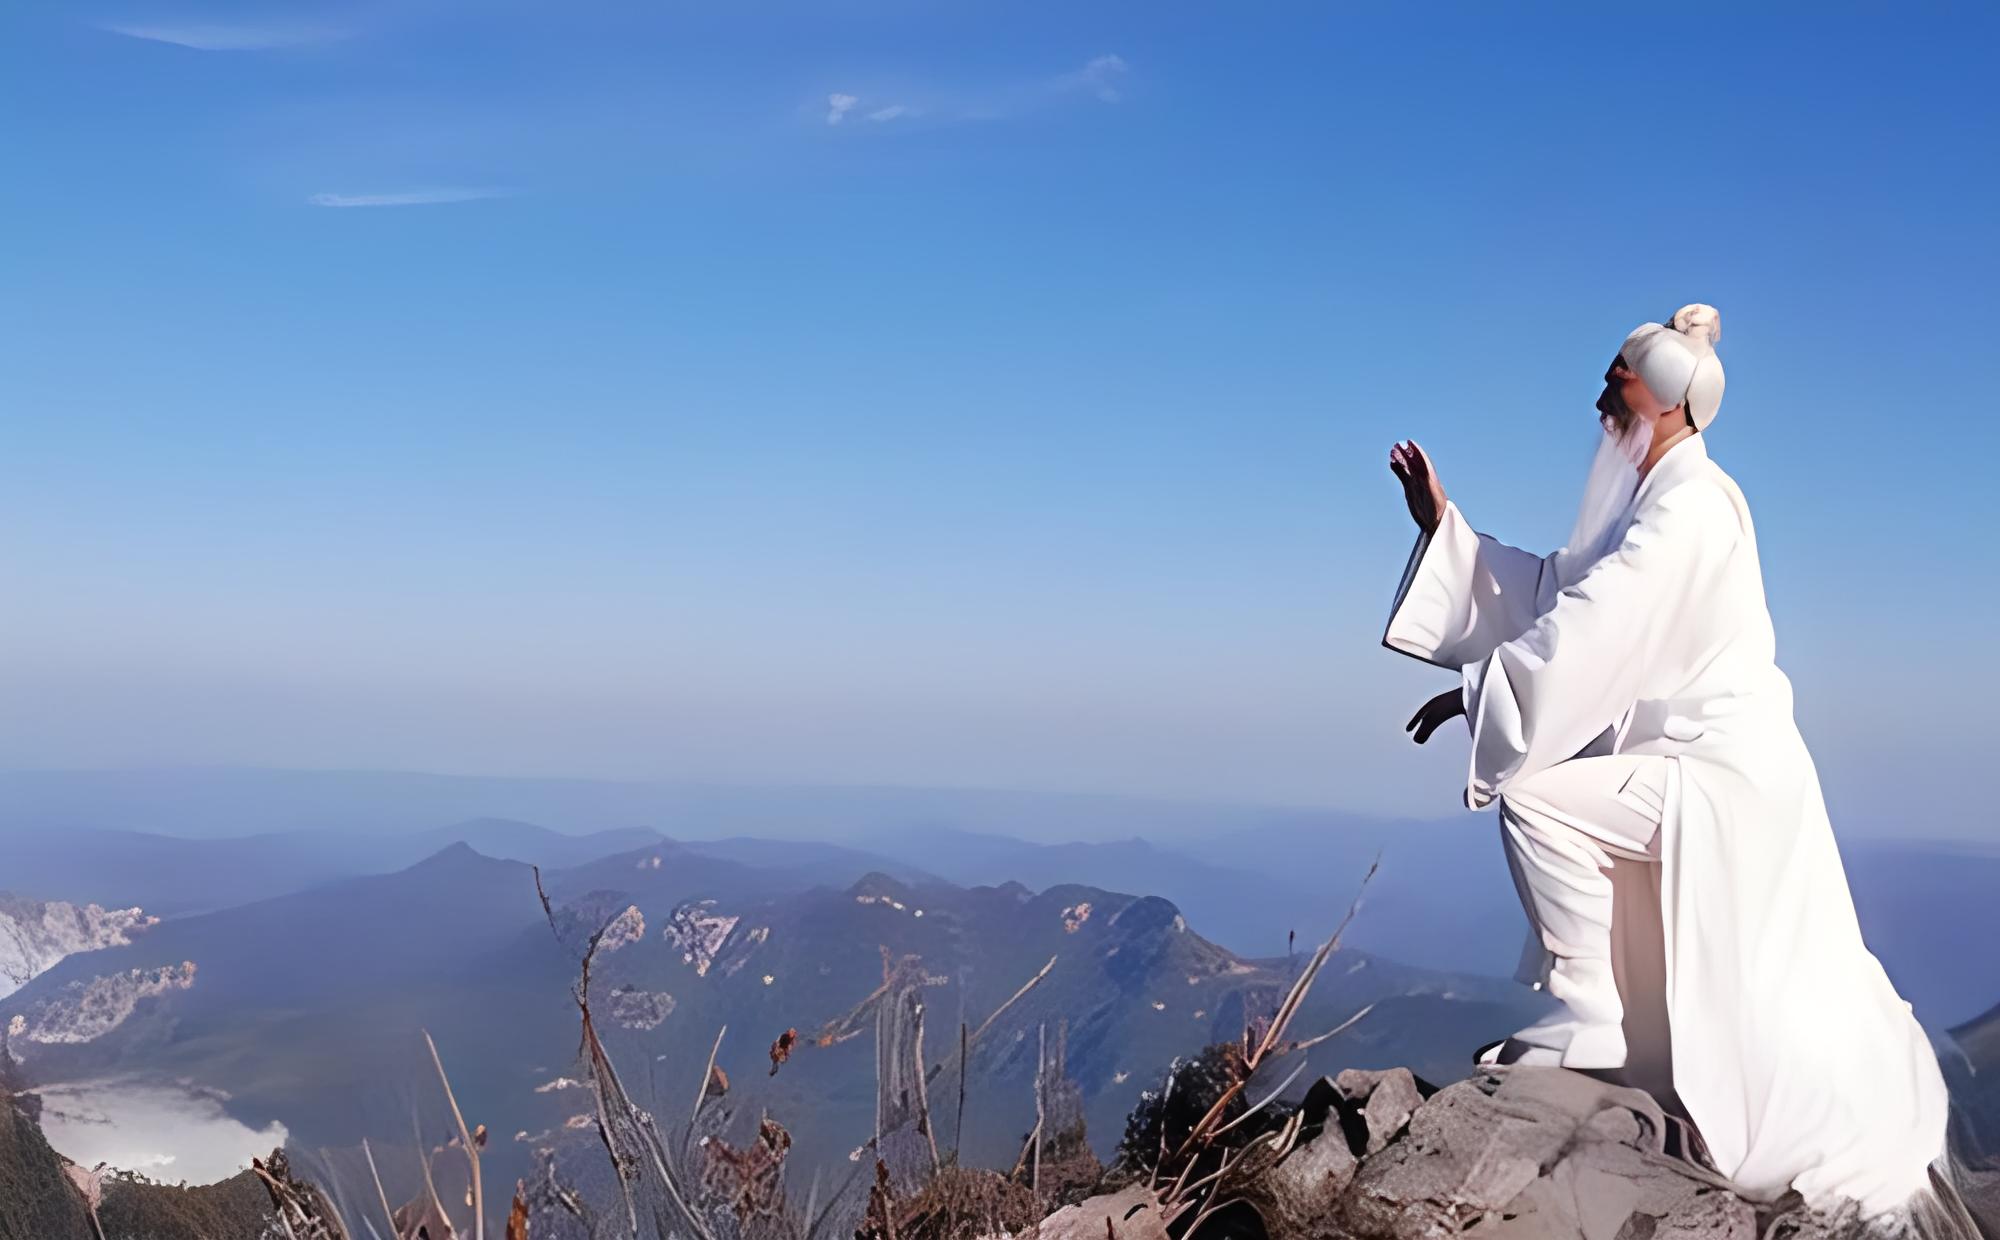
(877, 885)
(457, 855)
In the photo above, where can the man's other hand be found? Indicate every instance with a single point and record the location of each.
(1433, 714)
(1421, 489)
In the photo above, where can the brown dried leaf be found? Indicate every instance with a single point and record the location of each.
(781, 1050)
(517, 1217)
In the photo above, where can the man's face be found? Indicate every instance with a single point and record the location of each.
(1626, 398)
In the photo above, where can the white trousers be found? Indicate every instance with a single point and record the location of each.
(1582, 839)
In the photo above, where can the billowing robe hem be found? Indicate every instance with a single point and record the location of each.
(1797, 1060)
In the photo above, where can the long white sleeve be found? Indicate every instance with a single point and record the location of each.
(1539, 698)
(1463, 593)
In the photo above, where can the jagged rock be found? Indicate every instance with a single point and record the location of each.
(1387, 1100)
(1133, 1214)
(627, 928)
(1520, 1153)
(35, 934)
(699, 932)
(1300, 1197)
(82, 1011)
(1480, 1146)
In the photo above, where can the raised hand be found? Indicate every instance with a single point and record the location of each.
(1421, 489)
(1434, 714)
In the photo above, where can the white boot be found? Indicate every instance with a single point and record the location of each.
(1561, 1038)
(1588, 1029)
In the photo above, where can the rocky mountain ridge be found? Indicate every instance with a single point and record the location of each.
(36, 934)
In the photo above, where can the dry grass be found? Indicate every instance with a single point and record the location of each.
(1185, 1144)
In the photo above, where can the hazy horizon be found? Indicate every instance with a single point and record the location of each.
(216, 801)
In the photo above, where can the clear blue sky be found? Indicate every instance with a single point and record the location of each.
(952, 393)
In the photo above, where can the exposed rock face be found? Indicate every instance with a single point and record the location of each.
(1510, 1153)
(699, 932)
(627, 928)
(640, 1009)
(35, 934)
(82, 1011)
(1301, 1195)
(1388, 1099)
(1133, 1214)
(1534, 1152)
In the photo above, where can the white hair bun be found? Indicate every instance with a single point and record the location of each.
(1700, 321)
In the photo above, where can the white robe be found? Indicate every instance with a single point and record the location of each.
(1791, 1050)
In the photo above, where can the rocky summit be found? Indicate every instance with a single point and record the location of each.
(1518, 1153)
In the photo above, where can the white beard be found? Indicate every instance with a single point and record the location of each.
(1607, 493)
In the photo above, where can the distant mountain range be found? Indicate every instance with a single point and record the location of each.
(172, 876)
(1443, 898)
(292, 970)
(304, 1008)
(1248, 875)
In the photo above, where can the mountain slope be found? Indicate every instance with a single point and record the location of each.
(1133, 983)
(1442, 898)
(309, 1004)
(306, 1008)
(36, 1199)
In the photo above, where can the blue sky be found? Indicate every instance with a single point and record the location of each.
(959, 394)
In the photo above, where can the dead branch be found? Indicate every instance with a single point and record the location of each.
(465, 1139)
(707, 1076)
(379, 1194)
(986, 1024)
(1334, 1032)
(430, 1184)
(958, 1136)
(620, 1121)
(1254, 1057)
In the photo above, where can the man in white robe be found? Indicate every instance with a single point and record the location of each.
(1658, 807)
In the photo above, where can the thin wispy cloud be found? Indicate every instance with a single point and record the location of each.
(208, 37)
(1101, 78)
(409, 198)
